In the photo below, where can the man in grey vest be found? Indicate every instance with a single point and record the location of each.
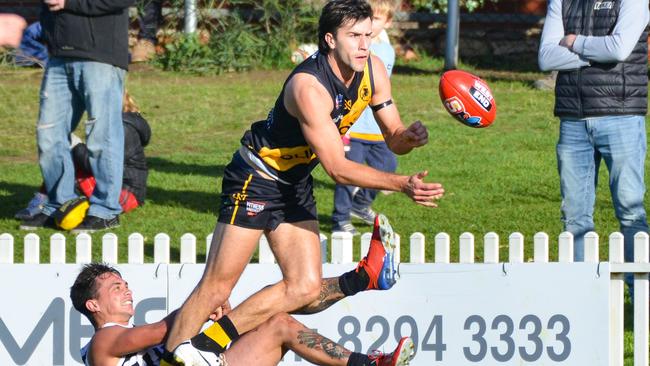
(600, 49)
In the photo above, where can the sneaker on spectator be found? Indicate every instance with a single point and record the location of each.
(90, 224)
(401, 356)
(38, 221)
(346, 227)
(143, 51)
(34, 207)
(365, 214)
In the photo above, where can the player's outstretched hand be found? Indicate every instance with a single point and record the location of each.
(416, 134)
(421, 192)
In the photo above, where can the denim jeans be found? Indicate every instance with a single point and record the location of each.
(376, 155)
(70, 87)
(621, 142)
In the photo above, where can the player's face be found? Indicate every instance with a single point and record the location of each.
(114, 297)
(352, 43)
(379, 23)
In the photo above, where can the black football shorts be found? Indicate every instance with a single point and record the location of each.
(252, 201)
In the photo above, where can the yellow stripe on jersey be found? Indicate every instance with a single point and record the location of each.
(239, 197)
(363, 98)
(367, 136)
(285, 158)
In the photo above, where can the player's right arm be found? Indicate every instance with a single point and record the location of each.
(111, 343)
(306, 99)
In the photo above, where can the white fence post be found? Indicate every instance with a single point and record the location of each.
(265, 254)
(341, 247)
(616, 286)
(136, 248)
(84, 247)
(466, 248)
(365, 244)
(208, 244)
(641, 295)
(109, 248)
(442, 248)
(57, 248)
(491, 248)
(161, 248)
(565, 245)
(516, 248)
(323, 248)
(540, 248)
(32, 250)
(188, 248)
(6, 249)
(591, 247)
(417, 248)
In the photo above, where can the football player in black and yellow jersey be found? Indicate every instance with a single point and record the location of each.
(267, 187)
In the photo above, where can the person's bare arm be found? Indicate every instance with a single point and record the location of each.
(400, 139)
(114, 342)
(308, 100)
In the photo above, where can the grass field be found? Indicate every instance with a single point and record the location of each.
(501, 179)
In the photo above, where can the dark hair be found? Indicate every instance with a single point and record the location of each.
(335, 14)
(85, 286)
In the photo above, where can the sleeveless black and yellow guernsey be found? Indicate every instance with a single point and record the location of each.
(278, 142)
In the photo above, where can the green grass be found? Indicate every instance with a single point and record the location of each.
(501, 179)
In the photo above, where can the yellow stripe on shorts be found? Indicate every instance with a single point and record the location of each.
(243, 192)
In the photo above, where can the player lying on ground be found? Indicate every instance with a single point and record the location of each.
(102, 295)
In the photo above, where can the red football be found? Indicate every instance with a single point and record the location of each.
(467, 98)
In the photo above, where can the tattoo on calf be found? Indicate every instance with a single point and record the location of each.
(316, 341)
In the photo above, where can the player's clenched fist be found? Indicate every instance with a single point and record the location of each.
(416, 134)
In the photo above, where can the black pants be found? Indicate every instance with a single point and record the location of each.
(150, 19)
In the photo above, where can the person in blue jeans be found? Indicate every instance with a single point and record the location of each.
(601, 98)
(366, 142)
(88, 48)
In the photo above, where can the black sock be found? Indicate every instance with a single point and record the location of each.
(359, 359)
(217, 337)
(353, 281)
(167, 358)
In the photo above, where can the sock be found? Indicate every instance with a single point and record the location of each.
(354, 281)
(359, 359)
(167, 359)
(217, 337)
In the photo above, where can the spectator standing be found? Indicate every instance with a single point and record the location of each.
(88, 47)
(601, 96)
(366, 141)
(150, 19)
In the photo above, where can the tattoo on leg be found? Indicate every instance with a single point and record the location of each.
(330, 293)
(316, 341)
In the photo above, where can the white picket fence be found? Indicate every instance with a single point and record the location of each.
(342, 252)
